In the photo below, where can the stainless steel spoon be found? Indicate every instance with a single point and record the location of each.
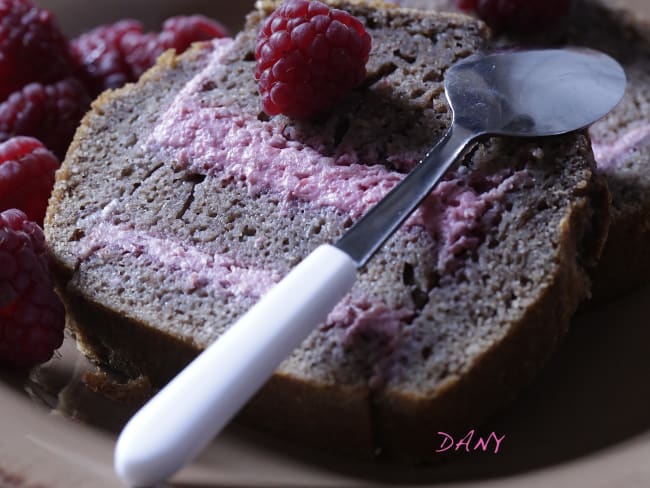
(518, 93)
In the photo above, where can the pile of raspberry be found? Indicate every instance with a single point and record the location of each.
(46, 85)
(47, 81)
(112, 55)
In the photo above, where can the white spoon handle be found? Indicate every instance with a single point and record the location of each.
(176, 424)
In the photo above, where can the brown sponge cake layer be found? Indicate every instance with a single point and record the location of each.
(159, 248)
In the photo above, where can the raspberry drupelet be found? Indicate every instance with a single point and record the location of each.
(32, 317)
(517, 15)
(308, 56)
(26, 176)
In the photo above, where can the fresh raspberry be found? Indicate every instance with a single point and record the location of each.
(26, 176)
(99, 54)
(114, 54)
(308, 56)
(517, 15)
(49, 113)
(140, 52)
(181, 31)
(32, 47)
(32, 317)
(178, 33)
(192, 28)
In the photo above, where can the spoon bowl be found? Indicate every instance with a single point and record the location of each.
(533, 93)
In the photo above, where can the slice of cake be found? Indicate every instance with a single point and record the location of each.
(621, 141)
(180, 203)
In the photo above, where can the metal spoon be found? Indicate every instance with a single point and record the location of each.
(518, 93)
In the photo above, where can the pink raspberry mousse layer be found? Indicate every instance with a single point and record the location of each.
(213, 137)
(354, 319)
(359, 321)
(221, 274)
